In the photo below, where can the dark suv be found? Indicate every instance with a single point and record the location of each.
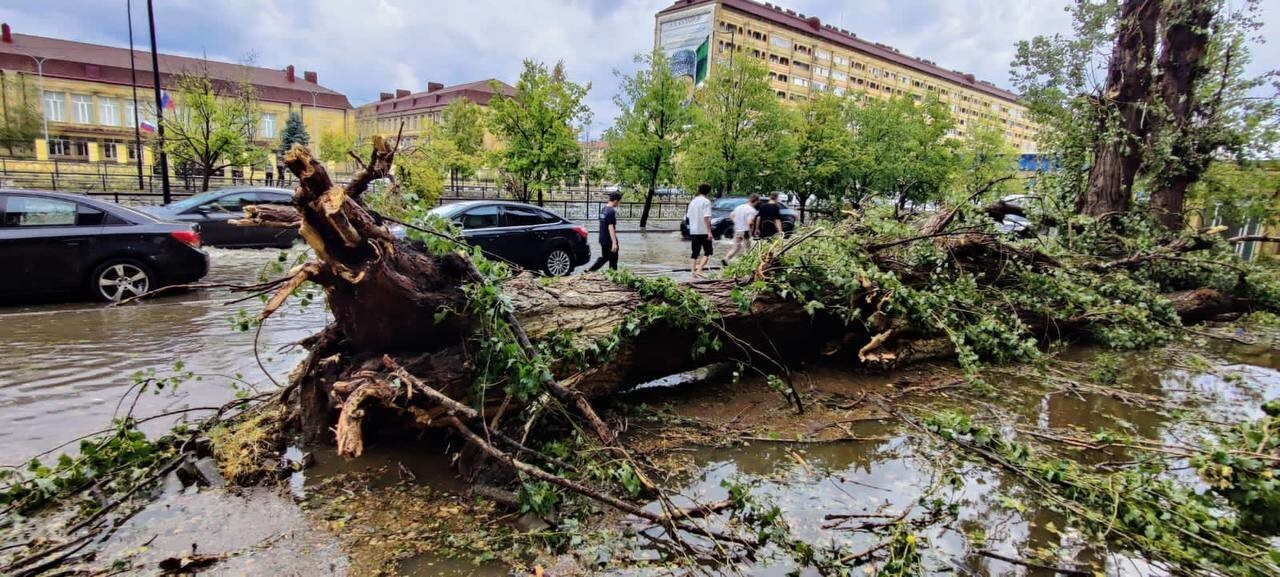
(722, 224)
(521, 234)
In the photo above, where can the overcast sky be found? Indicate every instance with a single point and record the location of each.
(362, 47)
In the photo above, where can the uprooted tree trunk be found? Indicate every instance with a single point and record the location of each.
(404, 344)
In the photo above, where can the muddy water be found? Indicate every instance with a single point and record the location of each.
(64, 367)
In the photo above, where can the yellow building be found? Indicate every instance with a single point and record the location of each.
(415, 109)
(86, 96)
(804, 56)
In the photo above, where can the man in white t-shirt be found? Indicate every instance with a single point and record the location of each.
(744, 227)
(699, 216)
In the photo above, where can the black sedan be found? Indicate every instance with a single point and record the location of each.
(214, 210)
(521, 234)
(722, 223)
(53, 242)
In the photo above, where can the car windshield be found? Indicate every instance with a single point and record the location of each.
(727, 203)
(197, 200)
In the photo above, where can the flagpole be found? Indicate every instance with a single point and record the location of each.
(155, 75)
(133, 77)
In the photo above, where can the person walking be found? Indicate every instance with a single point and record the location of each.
(608, 233)
(770, 217)
(744, 227)
(699, 216)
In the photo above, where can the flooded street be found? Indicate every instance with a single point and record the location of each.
(64, 367)
(832, 472)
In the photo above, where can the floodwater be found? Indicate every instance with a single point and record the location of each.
(64, 368)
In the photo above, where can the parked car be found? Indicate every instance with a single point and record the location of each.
(213, 211)
(722, 224)
(52, 242)
(522, 234)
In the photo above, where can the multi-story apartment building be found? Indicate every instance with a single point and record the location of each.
(804, 56)
(415, 109)
(86, 96)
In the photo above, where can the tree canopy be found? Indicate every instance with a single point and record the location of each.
(739, 140)
(538, 127)
(649, 130)
(213, 126)
(293, 132)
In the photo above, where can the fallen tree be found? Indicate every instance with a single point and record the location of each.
(490, 340)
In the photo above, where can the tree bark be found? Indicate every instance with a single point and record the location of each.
(1122, 124)
(1185, 42)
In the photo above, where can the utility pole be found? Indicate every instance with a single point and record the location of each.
(155, 75)
(133, 79)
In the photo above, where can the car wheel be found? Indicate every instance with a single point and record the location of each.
(119, 279)
(558, 262)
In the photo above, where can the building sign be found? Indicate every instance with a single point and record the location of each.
(685, 38)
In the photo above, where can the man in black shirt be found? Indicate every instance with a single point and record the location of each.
(770, 217)
(608, 234)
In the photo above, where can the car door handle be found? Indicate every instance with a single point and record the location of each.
(74, 241)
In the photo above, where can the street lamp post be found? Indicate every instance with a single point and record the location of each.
(155, 75)
(44, 119)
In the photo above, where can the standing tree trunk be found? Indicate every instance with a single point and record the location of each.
(1123, 124)
(204, 180)
(648, 197)
(1186, 39)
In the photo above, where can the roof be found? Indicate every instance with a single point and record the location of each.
(480, 92)
(813, 26)
(98, 63)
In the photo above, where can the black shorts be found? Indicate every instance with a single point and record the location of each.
(701, 243)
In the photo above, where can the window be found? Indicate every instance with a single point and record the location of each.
(821, 54)
(780, 42)
(820, 71)
(59, 147)
(110, 150)
(838, 75)
(35, 211)
(480, 217)
(108, 111)
(130, 113)
(80, 148)
(522, 216)
(839, 91)
(55, 106)
(800, 81)
(800, 66)
(819, 86)
(82, 108)
(840, 60)
(267, 127)
(906, 81)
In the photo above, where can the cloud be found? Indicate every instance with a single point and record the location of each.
(363, 48)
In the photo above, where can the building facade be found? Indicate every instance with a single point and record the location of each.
(86, 97)
(805, 56)
(415, 110)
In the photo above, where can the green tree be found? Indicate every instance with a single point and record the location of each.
(901, 150)
(23, 119)
(462, 125)
(293, 133)
(646, 136)
(213, 126)
(1174, 99)
(335, 146)
(739, 140)
(986, 164)
(538, 127)
(824, 150)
